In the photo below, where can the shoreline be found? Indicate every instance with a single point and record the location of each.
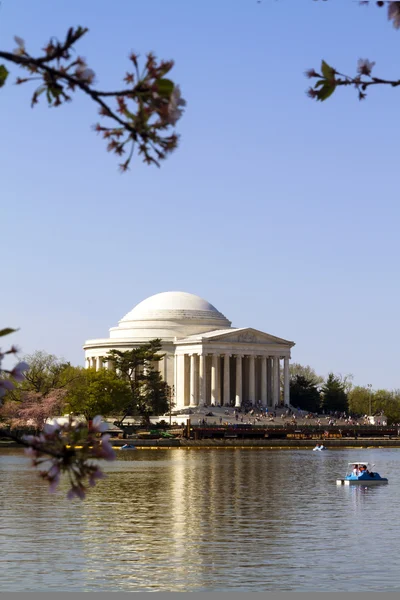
(208, 444)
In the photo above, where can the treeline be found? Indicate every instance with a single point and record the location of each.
(52, 387)
(336, 393)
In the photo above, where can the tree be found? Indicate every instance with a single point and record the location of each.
(388, 403)
(34, 409)
(149, 393)
(334, 397)
(306, 372)
(97, 393)
(359, 400)
(154, 395)
(144, 110)
(304, 394)
(44, 374)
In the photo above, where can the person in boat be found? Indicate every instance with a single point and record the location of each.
(356, 470)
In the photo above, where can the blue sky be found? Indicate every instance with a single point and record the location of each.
(280, 211)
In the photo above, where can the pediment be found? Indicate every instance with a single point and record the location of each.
(249, 336)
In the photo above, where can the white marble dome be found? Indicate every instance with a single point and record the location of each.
(170, 315)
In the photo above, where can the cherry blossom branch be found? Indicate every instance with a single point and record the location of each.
(69, 449)
(328, 79)
(144, 111)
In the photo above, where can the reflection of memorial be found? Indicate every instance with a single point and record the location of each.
(206, 360)
(169, 518)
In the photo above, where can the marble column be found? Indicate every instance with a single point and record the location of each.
(238, 396)
(87, 363)
(92, 362)
(252, 379)
(99, 363)
(202, 379)
(264, 391)
(276, 383)
(192, 393)
(214, 380)
(227, 375)
(110, 365)
(165, 367)
(175, 390)
(270, 387)
(286, 381)
(180, 381)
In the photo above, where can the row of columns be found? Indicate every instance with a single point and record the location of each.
(197, 393)
(99, 362)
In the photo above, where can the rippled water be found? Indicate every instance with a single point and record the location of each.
(202, 521)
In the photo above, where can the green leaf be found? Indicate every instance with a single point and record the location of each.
(326, 91)
(7, 331)
(165, 87)
(320, 82)
(327, 71)
(3, 75)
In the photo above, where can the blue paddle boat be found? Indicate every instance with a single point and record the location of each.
(360, 473)
(128, 447)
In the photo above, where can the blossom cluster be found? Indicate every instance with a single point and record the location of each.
(143, 113)
(151, 105)
(72, 449)
(8, 377)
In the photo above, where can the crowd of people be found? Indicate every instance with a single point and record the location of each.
(259, 415)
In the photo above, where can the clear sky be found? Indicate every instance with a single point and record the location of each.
(282, 212)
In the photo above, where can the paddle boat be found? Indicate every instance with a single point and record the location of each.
(319, 448)
(360, 473)
(128, 447)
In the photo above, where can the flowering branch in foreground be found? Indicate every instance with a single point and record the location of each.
(328, 79)
(141, 114)
(71, 449)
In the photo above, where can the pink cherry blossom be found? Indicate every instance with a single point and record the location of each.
(96, 474)
(50, 428)
(18, 371)
(106, 450)
(175, 101)
(98, 425)
(77, 491)
(20, 45)
(365, 66)
(5, 386)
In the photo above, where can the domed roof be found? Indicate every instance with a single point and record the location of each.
(176, 306)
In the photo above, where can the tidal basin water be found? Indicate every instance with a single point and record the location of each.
(202, 521)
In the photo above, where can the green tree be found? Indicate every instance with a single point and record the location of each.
(98, 393)
(359, 399)
(153, 395)
(334, 396)
(388, 403)
(46, 373)
(304, 394)
(306, 372)
(149, 394)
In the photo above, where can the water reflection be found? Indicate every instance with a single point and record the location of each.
(209, 520)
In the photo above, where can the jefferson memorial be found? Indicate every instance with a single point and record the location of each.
(207, 361)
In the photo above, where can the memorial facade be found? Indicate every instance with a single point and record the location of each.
(206, 360)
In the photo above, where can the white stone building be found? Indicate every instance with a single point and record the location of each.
(206, 362)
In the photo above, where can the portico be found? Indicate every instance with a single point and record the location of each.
(232, 368)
